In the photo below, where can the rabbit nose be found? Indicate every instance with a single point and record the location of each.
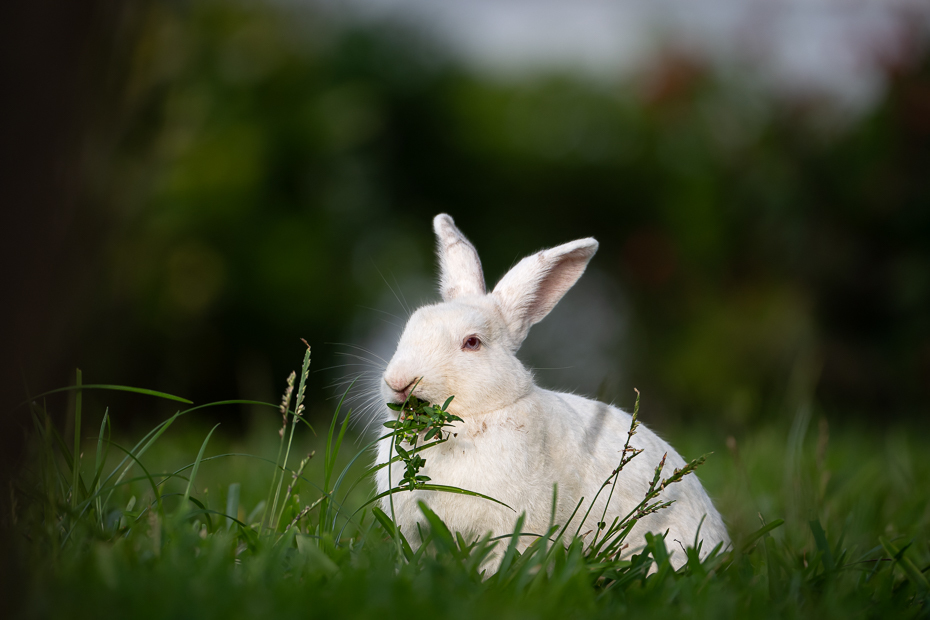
(402, 391)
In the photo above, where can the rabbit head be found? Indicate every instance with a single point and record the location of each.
(466, 345)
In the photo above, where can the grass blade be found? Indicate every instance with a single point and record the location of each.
(76, 469)
(53, 433)
(148, 477)
(440, 531)
(153, 435)
(914, 574)
(759, 533)
(100, 458)
(114, 388)
(232, 503)
(190, 483)
(430, 487)
(511, 550)
(329, 460)
(332, 464)
(820, 538)
(393, 531)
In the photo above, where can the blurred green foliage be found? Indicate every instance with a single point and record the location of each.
(257, 167)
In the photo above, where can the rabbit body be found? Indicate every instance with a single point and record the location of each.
(516, 439)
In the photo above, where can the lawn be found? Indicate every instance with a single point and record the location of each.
(827, 522)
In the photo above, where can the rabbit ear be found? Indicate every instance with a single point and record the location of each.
(531, 289)
(459, 268)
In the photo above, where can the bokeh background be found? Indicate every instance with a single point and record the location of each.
(192, 186)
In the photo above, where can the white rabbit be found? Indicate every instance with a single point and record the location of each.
(517, 439)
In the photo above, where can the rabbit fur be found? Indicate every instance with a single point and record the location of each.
(517, 439)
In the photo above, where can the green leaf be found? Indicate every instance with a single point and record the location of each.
(445, 405)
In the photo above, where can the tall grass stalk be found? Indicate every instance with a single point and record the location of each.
(298, 412)
(284, 408)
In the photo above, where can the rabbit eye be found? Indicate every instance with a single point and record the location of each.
(472, 343)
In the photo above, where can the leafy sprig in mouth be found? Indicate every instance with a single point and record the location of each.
(418, 418)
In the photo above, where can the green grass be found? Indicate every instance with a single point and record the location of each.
(826, 523)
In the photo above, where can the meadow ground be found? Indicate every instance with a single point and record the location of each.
(827, 522)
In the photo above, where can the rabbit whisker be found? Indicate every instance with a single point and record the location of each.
(358, 348)
(402, 305)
